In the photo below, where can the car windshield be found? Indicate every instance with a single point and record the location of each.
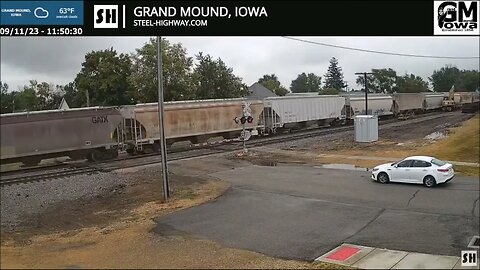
(396, 162)
(438, 162)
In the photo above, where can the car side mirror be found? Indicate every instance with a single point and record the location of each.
(395, 166)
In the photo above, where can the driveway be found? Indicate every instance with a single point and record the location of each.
(302, 212)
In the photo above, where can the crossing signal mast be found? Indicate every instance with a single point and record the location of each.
(245, 118)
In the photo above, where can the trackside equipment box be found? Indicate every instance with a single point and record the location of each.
(366, 128)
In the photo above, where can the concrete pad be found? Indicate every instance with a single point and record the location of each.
(458, 265)
(348, 261)
(426, 261)
(380, 259)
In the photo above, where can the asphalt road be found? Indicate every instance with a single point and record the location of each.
(302, 212)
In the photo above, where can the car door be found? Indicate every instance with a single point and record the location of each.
(418, 171)
(401, 170)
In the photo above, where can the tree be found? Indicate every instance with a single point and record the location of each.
(381, 81)
(26, 99)
(443, 79)
(468, 80)
(411, 84)
(48, 95)
(71, 94)
(33, 97)
(306, 83)
(271, 82)
(104, 77)
(6, 98)
(3, 87)
(177, 67)
(334, 76)
(213, 79)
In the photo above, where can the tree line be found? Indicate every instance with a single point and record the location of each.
(383, 80)
(108, 78)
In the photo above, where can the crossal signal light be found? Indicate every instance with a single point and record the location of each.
(244, 119)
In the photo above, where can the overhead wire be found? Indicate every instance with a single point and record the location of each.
(381, 52)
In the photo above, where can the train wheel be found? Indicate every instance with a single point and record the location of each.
(334, 123)
(95, 155)
(112, 153)
(30, 162)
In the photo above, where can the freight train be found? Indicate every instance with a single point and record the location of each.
(98, 133)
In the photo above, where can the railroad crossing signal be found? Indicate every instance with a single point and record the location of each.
(247, 111)
(245, 118)
(245, 134)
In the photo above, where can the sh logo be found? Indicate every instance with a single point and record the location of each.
(469, 258)
(456, 17)
(105, 16)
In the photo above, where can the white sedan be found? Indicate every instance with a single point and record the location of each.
(417, 170)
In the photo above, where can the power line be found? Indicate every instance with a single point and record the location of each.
(381, 52)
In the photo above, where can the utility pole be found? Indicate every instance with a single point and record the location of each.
(244, 140)
(163, 149)
(366, 88)
(88, 98)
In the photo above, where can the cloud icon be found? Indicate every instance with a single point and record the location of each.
(41, 13)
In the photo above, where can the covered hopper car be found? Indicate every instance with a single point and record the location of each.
(194, 121)
(378, 104)
(292, 112)
(433, 101)
(29, 137)
(407, 104)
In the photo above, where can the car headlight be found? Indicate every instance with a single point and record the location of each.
(375, 169)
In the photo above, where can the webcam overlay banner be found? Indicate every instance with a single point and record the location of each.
(239, 18)
(41, 12)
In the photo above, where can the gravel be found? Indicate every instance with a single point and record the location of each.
(32, 198)
(418, 128)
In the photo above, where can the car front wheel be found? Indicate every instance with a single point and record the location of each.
(383, 178)
(429, 181)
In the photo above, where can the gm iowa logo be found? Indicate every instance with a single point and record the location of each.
(456, 17)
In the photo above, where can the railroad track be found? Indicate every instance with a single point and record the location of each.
(47, 175)
(189, 152)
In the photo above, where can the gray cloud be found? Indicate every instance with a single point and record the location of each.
(58, 60)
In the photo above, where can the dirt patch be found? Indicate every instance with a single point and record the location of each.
(133, 248)
(103, 209)
(267, 159)
(393, 139)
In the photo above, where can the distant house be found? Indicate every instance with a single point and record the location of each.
(258, 91)
(63, 105)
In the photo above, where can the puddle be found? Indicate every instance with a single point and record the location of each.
(342, 167)
(437, 135)
(269, 163)
(274, 163)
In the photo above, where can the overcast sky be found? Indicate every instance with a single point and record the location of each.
(58, 60)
